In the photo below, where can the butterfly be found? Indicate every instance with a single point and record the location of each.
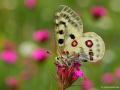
(72, 44)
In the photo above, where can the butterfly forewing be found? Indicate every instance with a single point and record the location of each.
(69, 29)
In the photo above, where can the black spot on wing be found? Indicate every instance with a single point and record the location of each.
(61, 32)
(61, 22)
(67, 17)
(64, 15)
(72, 36)
(91, 58)
(91, 53)
(61, 41)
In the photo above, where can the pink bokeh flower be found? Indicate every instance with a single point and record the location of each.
(68, 75)
(78, 73)
(107, 78)
(98, 12)
(9, 56)
(41, 36)
(30, 4)
(86, 84)
(117, 73)
(11, 83)
(40, 55)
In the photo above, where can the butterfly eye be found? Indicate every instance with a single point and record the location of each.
(89, 43)
(72, 36)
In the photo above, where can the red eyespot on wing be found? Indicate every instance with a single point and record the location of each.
(89, 43)
(74, 43)
(65, 52)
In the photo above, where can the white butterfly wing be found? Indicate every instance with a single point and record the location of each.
(93, 46)
(68, 30)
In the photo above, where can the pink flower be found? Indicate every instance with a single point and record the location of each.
(40, 55)
(107, 78)
(41, 36)
(9, 56)
(117, 73)
(30, 4)
(78, 73)
(86, 84)
(98, 12)
(68, 75)
(12, 83)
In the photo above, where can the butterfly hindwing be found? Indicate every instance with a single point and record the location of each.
(93, 46)
(69, 29)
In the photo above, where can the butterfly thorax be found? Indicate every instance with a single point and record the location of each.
(68, 59)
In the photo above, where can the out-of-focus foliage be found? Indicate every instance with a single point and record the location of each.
(19, 19)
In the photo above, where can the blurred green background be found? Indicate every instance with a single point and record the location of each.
(18, 22)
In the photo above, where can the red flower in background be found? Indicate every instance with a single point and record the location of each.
(107, 78)
(98, 12)
(86, 84)
(30, 4)
(9, 56)
(41, 36)
(117, 73)
(12, 83)
(40, 55)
